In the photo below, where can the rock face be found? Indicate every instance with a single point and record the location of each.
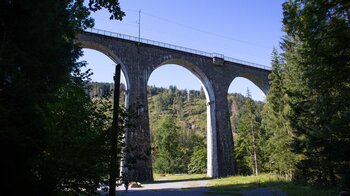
(135, 185)
(138, 61)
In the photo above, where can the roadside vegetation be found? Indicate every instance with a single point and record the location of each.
(230, 186)
(234, 184)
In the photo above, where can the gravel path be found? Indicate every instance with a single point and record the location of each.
(167, 188)
(187, 188)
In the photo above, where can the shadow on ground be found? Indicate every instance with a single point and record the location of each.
(177, 180)
(270, 188)
(211, 187)
(199, 191)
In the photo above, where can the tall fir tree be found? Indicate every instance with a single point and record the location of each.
(277, 131)
(317, 53)
(247, 144)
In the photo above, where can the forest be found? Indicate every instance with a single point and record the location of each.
(180, 116)
(54, 136)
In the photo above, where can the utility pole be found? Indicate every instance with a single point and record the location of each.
(114, 134)
(139, 26)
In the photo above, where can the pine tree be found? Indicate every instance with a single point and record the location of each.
(247, 144)
(278, 133)
(317, 53)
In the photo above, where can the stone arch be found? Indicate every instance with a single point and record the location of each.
(109, 53)
(208, 89)
(212, 159)
(253, 87)
(261, 83)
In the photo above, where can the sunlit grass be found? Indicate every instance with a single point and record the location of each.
(158, 177)
(246, 180)
(273, 182)
(235, 184)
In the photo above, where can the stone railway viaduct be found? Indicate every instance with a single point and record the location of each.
(140, 57)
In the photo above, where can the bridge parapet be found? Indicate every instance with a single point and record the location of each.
(175, 47)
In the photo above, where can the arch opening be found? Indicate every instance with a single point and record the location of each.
(102, 64)
(239, 92)
(195, 93)
(102, 67)
(240, 85)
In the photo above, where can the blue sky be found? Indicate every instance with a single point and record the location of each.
(241, 29)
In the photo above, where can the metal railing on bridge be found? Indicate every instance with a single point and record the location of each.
(174, 47)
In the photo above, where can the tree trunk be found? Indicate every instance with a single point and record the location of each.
(254, 153)
(255, 163)
(114, 163)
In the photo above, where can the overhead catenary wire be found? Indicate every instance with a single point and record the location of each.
(203, 31)
(197, 29)
(145, 27)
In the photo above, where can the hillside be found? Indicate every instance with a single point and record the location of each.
(188, 109)
(188, 106)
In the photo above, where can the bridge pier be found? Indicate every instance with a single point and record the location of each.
(224, 137)
(138, 154)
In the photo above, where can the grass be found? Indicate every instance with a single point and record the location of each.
(232, 185)
(239, 183)
(175, 177)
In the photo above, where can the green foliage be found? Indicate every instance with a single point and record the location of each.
(189, 111)
(236, 103)
(38, 54)
(317, 54)
(248, 138)
(277, 131)
(168, 159)
(189, 108)
(112, 7)
(198, 163)
(75, 124)
(190, 115)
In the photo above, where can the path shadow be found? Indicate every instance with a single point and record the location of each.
(279, 188)
(198, 191)
(179, 180)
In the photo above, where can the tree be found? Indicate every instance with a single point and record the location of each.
(168, 157)
(317, 55)
(248, 139)
(38, 53)
(77, 132)
(234, 116)
(198, 162)
(277, 131)
(202, 93)
(178, 106)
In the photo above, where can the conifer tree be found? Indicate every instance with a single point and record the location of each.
(278, 133)
(317, 55)
(247, 145)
